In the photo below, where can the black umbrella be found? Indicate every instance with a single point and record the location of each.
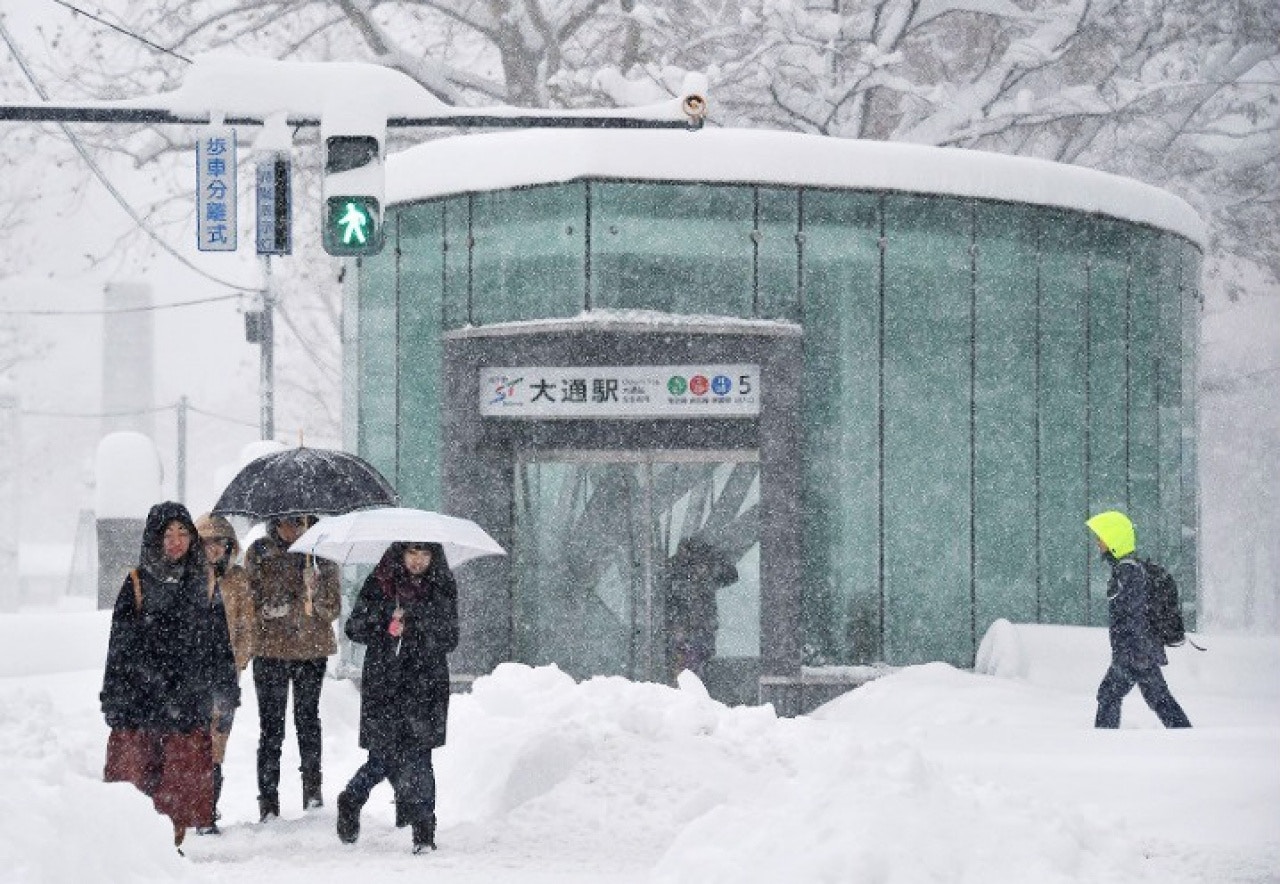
(304, 481)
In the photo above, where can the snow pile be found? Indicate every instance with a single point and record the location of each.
(58, 821)
(46, 643)
(1230, 665)
(852, 811)
(928, 774)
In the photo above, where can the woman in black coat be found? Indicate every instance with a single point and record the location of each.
(406, 616)
(169, 665)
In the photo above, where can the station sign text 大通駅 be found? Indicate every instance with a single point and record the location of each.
(620, 391)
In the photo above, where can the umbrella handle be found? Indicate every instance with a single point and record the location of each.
(309, 603)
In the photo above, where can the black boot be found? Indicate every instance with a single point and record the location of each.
(268, 782)
(217, 790)
(348, 817)
(311, 797)
(268, 807)
(424, 834)
(212, 828)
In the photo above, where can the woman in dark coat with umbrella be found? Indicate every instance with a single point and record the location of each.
(407, 617)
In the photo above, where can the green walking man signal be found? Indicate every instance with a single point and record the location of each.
(351, 226)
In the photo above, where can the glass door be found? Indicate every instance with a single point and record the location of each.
(639, 564)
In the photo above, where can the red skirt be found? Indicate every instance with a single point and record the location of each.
(174, 770)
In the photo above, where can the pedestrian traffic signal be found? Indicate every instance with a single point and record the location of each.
(352, 225)
(354, 181)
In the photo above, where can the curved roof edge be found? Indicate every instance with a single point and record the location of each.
(633, 321)
(466, 163)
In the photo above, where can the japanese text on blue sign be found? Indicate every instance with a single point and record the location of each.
(216, 189)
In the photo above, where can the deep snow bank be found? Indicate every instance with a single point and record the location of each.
(41, 644)
(926, 774)
(1074, 658)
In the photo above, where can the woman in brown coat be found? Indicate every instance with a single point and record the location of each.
(231, 587)
(296, 598)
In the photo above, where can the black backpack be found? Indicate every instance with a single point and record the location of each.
(1164, 612)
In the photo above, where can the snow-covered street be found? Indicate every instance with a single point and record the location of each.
(930, 774)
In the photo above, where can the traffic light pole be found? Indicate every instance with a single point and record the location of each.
(183, 404)
(267, 367)
(686, 112)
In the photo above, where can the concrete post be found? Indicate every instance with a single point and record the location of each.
(128, 479)
(10, 496)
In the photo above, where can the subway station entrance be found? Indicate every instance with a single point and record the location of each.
(643, 476)
(616, 550)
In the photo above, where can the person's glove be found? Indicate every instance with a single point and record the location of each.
(222, 719)
(275, 612)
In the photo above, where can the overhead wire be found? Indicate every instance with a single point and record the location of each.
(95, 415)
(113, 310)
(106, 182)
(122, 30)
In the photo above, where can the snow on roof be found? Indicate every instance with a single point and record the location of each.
(128, 473)
(631, 320)
(538, 156)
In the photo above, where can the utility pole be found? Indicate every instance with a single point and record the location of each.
(182, 449)
(307, 89)
(267, 367)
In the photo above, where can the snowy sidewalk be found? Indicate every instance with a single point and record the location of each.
(928, 775)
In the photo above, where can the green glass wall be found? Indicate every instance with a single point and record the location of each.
(419, 364)
(1006, 300)
(376, 361)
(978, 378)
(842, 611)
(678, 248)
(927, 371)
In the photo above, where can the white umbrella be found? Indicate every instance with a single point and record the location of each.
(364, 535)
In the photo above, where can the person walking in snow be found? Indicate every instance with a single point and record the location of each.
(169, 665)
(406, 616)
(695, 574)
(231, 591)
(1136, 652)
(296, 598)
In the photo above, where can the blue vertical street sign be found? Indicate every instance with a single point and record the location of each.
(275, 207)
(216, 189)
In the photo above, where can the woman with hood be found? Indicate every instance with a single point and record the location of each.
(406, 616)
(169, 664)
(231, 592)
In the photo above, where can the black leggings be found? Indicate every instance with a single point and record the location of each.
(271, 679)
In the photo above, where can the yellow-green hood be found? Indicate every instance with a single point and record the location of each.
(1115, 530)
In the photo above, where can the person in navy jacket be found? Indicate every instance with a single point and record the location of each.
(1136, 652)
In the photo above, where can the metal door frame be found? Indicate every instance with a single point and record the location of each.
(647, 660)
